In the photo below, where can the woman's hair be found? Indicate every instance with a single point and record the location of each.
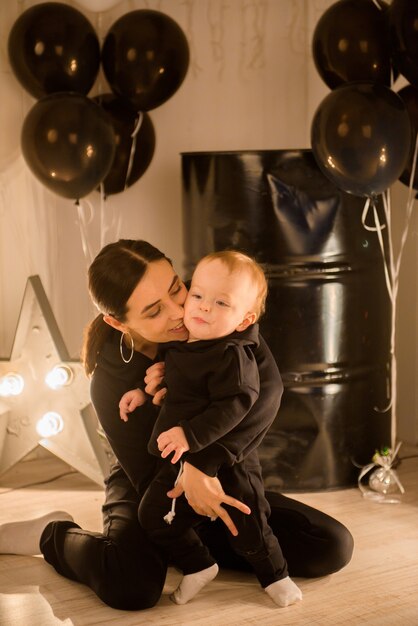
(238, 262)
(112, 277)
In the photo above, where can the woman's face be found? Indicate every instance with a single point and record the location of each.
(155, 309)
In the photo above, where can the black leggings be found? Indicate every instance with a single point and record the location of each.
(127, 572)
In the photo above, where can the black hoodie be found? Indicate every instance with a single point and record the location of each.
(212, 384)
(112, 378)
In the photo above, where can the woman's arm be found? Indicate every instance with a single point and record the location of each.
(128, 440)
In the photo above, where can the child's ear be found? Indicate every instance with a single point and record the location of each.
(114, 323)
(249, 319)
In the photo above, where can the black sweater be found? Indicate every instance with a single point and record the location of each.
(112, 378)
(212, 385)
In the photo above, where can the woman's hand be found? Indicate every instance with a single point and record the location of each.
(153, 378)
(205, 495)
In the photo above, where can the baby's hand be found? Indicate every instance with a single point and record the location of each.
(173, 439)
(130, 401)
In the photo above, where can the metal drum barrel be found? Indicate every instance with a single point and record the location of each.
(327, 318)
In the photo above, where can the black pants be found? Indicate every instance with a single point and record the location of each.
(180, 541)
(126, 572)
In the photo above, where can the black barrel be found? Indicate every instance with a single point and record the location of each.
(327, 319)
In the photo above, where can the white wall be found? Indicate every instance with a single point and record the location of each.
(251, 84)
(406, 318)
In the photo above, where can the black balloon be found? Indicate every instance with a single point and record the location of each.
(409, 95)
(53, 47)
(145, 57)
(68, 142)
(403, 19)
(361, 137)
(124, 122)
(351, 43)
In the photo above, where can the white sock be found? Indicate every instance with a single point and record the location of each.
(191, 584)
(284, 592)
(23, 537)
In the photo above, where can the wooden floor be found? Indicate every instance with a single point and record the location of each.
(379, 587)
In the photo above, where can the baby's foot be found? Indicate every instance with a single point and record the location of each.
(191, 584)
(284, 592)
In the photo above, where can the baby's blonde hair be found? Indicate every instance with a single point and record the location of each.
(239, 262)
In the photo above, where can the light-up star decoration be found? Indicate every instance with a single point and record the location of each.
(58, 415)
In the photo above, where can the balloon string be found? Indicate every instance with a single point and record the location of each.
(386, 198)
(102, 216)
(364, 214)
(394, 283)
(377, 4)
(108, 213)
(133, 146)
(118, 226)
(105, 212)
(409, 207)
(371, 203)
(392, 270)
(115, 222)
(367, 206)
(378, 229)
(389, 286)
(91, 211)
(83, 224)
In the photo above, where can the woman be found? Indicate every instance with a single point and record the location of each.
(141, 302)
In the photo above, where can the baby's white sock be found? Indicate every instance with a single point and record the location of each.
(191, 584)
(284, 592)
(23, 537)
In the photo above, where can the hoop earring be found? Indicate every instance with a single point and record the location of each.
(121, 348)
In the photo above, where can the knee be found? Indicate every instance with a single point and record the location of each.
(134, 587)
(344, 546)
(337, 551)
(127, 598)
(147, 518)
(132, 581)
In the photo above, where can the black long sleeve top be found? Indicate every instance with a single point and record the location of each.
(212, 385)
(112, 378)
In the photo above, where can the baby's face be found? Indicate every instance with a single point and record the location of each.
(218, 301)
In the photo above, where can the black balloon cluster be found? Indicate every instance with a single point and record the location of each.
(73, 143)
(363, 133)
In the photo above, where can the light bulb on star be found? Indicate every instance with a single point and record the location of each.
(44, 395)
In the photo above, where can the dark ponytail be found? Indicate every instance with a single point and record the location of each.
(94, 337)
(112, 277)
